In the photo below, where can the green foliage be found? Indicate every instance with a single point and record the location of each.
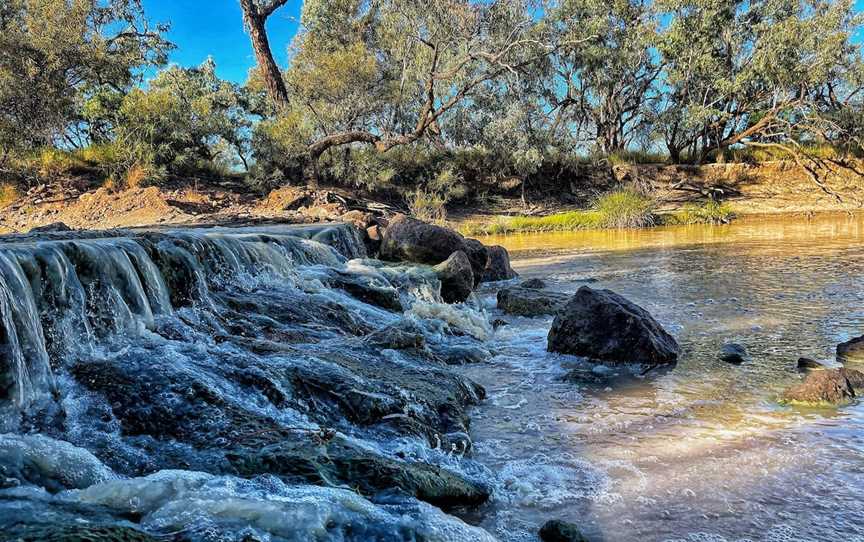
(637, 157)
(626, 209)
(55, 55)
(183, 123)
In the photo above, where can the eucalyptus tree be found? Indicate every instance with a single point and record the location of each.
(745, 72)
(384, 73)
(255, 15)
(602, 81)
(56, 55)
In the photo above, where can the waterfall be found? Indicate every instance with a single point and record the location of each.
(64, 295)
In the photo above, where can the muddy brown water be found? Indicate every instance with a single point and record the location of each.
(702, 452)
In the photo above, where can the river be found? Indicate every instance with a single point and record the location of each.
(703, 452)
(274, 385)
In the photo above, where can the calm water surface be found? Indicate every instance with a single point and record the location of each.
(702, 452)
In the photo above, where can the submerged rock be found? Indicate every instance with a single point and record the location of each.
(852, 351)
(602, 325)
(831, 386)
(363, 289)
(498, 265)
(560, 531)
(340, 462)
(534, 284)
(456, 276)
(530, 302)
(75, 533)
(733, 353)
(805, 364)
(48, 463)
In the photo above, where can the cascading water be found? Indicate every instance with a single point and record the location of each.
(262, 384)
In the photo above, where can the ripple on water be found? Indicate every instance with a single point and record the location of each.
(703, 452)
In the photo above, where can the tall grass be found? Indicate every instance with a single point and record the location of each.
(618, 209)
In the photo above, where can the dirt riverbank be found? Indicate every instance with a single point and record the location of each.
(772, 187)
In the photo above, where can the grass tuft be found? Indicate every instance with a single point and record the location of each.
(618, 209)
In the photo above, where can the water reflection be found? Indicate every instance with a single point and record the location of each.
(703, 452)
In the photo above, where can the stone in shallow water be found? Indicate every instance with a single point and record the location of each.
(851, 351)
(560, 531)
(534, 284)
(456, 276)
(733, 353)
(604, 326)
(831, 386)
(530, 302)
(410, 240)
(338, 461)
(498, 265)
(805, 364)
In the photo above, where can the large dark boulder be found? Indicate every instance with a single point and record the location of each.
(523, 301)
(852, 351)
(601, 325)
(410, 240)
(560, 531)
(456, 276)
(831, 386)
(498, 265)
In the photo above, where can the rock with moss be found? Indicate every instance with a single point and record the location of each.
(830, 386)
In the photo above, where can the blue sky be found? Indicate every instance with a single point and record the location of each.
(200, 28)
(215, 28)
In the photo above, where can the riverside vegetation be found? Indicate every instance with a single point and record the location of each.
(430, 104)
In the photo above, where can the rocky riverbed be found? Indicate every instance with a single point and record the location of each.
(319, 382)
(240, 384)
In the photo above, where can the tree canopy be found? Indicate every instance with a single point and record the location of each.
(507, 89)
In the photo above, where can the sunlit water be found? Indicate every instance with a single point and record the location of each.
(702, 452)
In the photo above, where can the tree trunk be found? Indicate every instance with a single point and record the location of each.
(255, 21)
